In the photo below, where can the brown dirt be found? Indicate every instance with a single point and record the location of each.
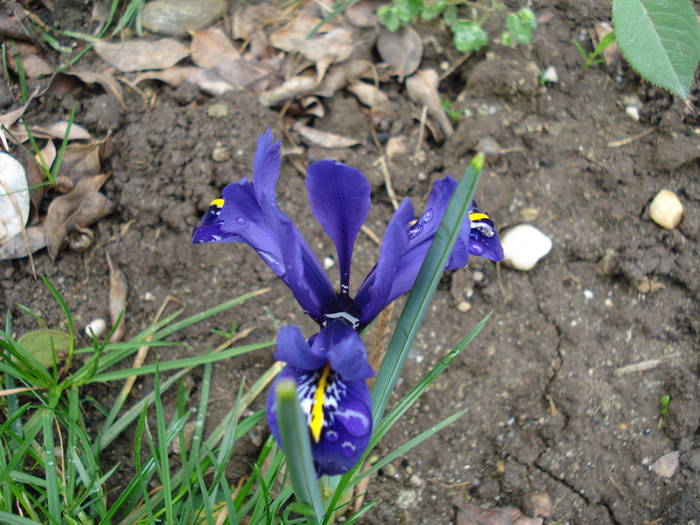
(546, 412)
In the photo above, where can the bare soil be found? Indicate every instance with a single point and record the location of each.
(546, 411)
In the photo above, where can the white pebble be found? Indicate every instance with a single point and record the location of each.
(328, 263)
(96, 328)
(666, 209)
(14, 197)
(667, 464)
(588, 294)
(632, 112)
(148, 296)
(550, 75)
(523, 246)
(464, 306)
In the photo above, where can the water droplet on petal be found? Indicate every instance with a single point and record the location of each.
(428, 215)
(331, 436)
(272, 262)
(240, 220)
(415, 231)
(347, 449)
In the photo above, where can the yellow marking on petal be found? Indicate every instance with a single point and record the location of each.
(316, 424)
(477, 216)
(219, 203)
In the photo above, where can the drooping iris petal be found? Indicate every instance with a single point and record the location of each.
(337, 408)
(376, 291)
(293, 349)
(340, 200)
(483, 237)
(344, 349)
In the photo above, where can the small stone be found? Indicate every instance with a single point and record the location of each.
(328, 263)
(694, 460)
(608, 303)
(478, 276)
(397, 147)
(176, 17)
(666, 209)
(220, 153)
(489, 147)
(523, 246)
(148, 296)
(96, 328)
(218, 110)
(407, 499)
(588, 294)
(550, 75)
(632, 112)
(464, 306)
(667, 464)
(14, 197)
(529, 214)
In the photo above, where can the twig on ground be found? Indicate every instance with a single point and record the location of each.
(627, 140)
(642, 366)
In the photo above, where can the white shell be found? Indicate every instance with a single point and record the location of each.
(523, 246)
(96, 327)
(13, 181)
(666, 209)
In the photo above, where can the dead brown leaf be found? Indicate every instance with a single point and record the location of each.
(363, 14)
(371, 96)
(611, 54)
(402, 50)
(323, 139)
(9, 118)
(342, 75)
(423, 89)
(211, 47)
(140, 54)
(57, 130)
(289, 89)
(333, 41)
(105, 78)
(81, 207)
(173, 75)
(209, 81)
(472, 515)
(84, 159)
(118, 288)
(241, 73)
(33, 63)
(251, 18)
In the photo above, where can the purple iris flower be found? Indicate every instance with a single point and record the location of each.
(331, 367)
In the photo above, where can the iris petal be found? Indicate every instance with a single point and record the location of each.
(375, 293)
(344, 349)
(340, 200)
(347, 429)
(293, 349)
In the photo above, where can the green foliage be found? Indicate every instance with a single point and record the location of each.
(660, 39)
(593, 58)
(465, 20)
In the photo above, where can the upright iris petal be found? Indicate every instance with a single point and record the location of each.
(330, 374)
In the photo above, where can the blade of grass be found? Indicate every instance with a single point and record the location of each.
(162, 449)
(426, 283)
(295, 440)
(51, 474)
(408, 445)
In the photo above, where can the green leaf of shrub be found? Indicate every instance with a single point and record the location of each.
(407, 10)
(468, 36)
(433, 9)
(387, 17)
(660, 39)
(46, 346)
(521, 25)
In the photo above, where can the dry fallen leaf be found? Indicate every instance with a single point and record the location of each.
(371, 96)
(241, 73)
(211, 47)
(250, 18)
(402, 50)
(17, 246)
(471, 515)
(323, 139)
(173, 75)
(33, 63)
(84, 159)
(333, 41)
(423, 89)
(118, 288)
(611, 54)
(105, 78)
(140, 54)
(291, 88)
(81, 207)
